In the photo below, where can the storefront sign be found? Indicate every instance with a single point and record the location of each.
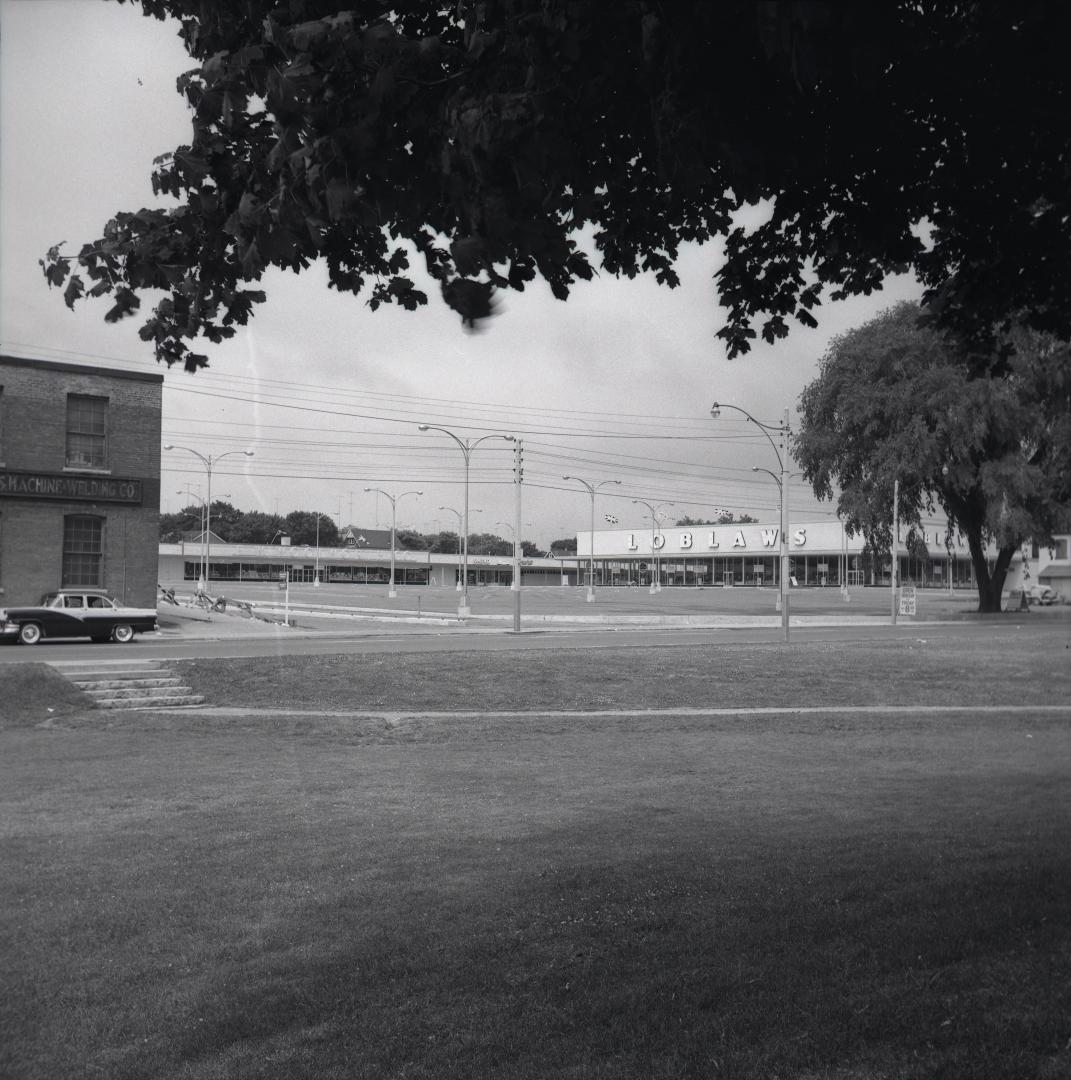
(22, 485)
(738, 539)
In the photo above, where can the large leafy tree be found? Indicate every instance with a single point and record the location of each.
(411, 540)
(895, 401)
(256, 527)
(501, 140)
(489, 544)
(305, 527)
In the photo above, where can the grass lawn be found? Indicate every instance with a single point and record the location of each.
(827, 896)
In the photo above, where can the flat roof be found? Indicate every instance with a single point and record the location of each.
(82, 369)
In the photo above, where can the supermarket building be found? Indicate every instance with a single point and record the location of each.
(821, 554)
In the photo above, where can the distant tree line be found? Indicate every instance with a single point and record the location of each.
(235, 526)
(724, 518)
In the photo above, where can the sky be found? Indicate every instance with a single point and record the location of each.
(615, 384)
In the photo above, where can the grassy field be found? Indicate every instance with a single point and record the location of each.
(837, 896)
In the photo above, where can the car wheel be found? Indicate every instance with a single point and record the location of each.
(123, 633)
(29, 634)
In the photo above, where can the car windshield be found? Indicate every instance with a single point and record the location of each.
(52, 600)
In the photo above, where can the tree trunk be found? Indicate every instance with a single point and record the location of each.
(990, 583)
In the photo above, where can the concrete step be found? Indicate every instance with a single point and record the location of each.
(75, 671)
(111, 682)
(119, 704)
(162, 693)
(144, 685)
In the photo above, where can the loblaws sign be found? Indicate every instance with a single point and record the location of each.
(724, 539)
(811, 536)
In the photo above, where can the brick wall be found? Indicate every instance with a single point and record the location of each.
(33, 436)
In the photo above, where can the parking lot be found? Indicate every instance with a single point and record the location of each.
(496, 603)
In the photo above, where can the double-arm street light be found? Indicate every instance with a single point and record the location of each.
(512, 528)
(592, 487)
(781, 429)
(457, 513)
(516, 540)
(780, 496)
(316, 572)
(466, 446)
(656, 552)
(208, 461)
(392, 592)
(193, 495)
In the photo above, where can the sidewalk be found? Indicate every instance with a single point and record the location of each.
(194, 623)
(183, 622)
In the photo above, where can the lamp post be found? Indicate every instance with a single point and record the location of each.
(516, 541)
(512, 528)
(457, 513)
(392, 592)
(592, 487)
(780, 496)
(208, 461)
(192, 495)
(316, 572)
(782, 461)
(466, 446)
(656, 551)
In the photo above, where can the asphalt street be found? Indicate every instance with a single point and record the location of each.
(364, 621)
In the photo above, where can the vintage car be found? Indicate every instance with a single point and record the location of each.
(69, 613)
(1042, 594)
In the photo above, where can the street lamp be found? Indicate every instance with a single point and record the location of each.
(466, 446)
(592, 487)
(780, 496)
(193, 495)
(782, 461)
(512, 528)
(656, 552)
(515, 539)
(457, 513)
(316, 573)
(392, 592)
(208, 461)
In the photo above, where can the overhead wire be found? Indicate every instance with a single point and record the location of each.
(692, 483)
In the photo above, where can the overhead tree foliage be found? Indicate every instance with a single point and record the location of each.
(505, 140)
(897, 401)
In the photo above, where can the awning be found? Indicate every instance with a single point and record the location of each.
(1054, 570)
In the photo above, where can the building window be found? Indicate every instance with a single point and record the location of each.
(87, 432)
(82, 550)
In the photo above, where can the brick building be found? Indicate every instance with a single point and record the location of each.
(79, 480)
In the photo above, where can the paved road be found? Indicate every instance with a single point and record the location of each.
(425, 620)
(1050, 633)
(496, 603)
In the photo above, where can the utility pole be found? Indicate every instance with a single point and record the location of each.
(895, 530)
(515, 585)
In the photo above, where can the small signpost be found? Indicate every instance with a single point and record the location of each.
(907, 600)
(284, 583)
